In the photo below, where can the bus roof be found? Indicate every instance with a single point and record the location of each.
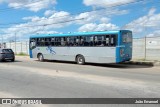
(76, 34)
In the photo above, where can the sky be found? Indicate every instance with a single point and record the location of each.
(22, 18)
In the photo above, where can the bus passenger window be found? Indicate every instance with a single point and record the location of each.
(99, 40)
(103, 41)
(52, 41)
(57, 41)
(91, 40)
(88, 41)
(107, 40)
(71, 41)
(113, 40)
(95, 41)
(32, 43)
(63, 41)
(77, 41)
(47, 41)
(40, 42)
(81, 41)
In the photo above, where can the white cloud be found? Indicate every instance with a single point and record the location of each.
(106, 3)
(151, 11)
(103, 15)
(104, 20)
(47, 32)
(53, 21)
(88, 17)
(37, 24)
(98, 27)
(154, 34)
(149, 21)
(49, 12)
(60, 14)
(32, 5)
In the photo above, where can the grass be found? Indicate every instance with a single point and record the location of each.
(21, 54)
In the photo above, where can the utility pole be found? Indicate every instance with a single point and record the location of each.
(15, 42)
(2, 39)
(145, 48)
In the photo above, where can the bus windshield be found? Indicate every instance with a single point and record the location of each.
(127, 37)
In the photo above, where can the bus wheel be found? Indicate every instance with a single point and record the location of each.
(80, 60)
(40, 57)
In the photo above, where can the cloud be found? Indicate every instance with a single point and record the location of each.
(154, 34)
(49, 12)
(53, 20)
(37, 24)
(32, 5)
(97, 27)
(103, 15)
(151, 11)
(104, 20)
(106, 3)
(149, 21)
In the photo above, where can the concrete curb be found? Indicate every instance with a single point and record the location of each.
(145, 63)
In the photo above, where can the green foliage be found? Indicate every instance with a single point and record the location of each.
(22, 54)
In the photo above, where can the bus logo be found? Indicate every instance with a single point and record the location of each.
(50, 49)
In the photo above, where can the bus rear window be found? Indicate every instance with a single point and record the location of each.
(127, 37)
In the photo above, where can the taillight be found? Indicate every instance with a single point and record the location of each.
(121, 52)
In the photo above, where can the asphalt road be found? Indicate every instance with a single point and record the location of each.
(29, 78)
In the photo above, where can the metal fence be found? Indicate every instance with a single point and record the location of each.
(147, 48)
(18, 47)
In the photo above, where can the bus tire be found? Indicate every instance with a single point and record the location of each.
(40, 57)
(80, 60)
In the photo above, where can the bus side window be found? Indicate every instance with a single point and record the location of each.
(113, 40)
(95, 41)
(57, 41)
(67, 41)
(32, 43)
(99, 40)
(107, 40)
(40, 42)
(87, 41)
(52, 41)
(77, 41)
(91, 40)
(103, 40)
(71, 41)
(63, 41)
(47, 41)
(81, 41)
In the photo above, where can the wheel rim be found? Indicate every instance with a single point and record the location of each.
(40, 57)
(80, 60)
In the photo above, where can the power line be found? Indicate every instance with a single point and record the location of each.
(47, 19)
(47, 24)
(76, 13)
(64, 16)
(10, 8)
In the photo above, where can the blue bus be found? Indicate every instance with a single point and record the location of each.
(81, 47)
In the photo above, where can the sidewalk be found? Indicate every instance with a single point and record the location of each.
(22, 57)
